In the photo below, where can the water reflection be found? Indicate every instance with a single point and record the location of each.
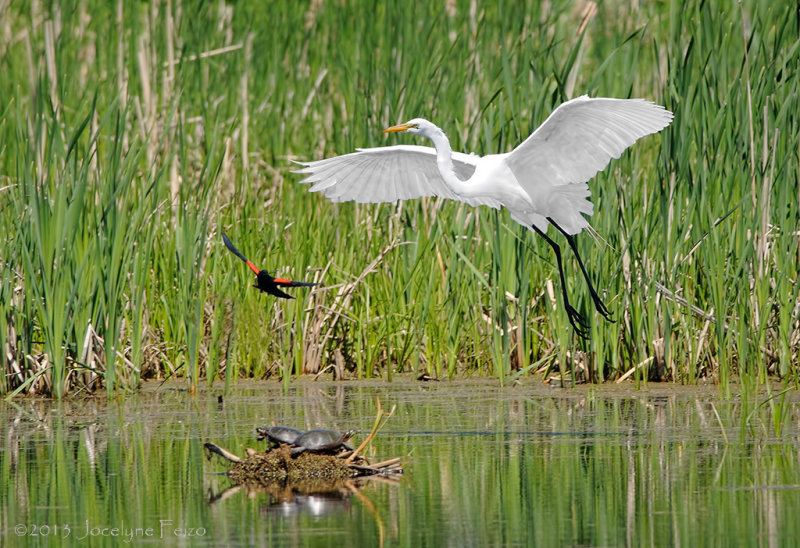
(315, 505)
(486, 466)
(292, 500)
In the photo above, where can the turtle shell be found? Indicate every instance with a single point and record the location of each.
(321, 440)
(279, 434)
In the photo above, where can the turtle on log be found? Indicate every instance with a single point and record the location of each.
(279, 435)
(322, 441)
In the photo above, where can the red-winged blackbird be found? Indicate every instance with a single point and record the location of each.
(264, 281)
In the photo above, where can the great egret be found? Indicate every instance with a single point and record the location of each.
(541, 182)
(264, 281)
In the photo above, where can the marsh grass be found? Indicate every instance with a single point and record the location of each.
(132, 133)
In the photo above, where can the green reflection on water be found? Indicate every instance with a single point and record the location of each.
(515, 466)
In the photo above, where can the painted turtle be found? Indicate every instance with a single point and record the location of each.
(279, 435)
(322, 441)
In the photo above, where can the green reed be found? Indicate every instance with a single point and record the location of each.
(131, 140)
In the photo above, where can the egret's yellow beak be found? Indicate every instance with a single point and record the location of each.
(397, 129)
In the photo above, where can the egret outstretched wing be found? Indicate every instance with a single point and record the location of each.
(387, 174)
(580, 138)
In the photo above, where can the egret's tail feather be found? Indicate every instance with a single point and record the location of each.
(569, 204)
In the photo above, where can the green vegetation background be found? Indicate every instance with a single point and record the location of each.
(132, 133)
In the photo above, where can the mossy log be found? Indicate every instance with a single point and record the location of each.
(279, 465)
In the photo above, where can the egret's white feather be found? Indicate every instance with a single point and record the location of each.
(387, 174)
(580, 138)
(577, 140)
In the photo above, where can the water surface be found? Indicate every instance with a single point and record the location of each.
(485, 466)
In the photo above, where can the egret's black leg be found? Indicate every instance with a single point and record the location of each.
(578, 323)
(598, 304)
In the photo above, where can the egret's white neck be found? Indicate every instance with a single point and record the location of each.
(444, 159)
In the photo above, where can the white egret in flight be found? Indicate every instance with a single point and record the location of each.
(541, 182)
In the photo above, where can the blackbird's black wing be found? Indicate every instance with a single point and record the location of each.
(232, 248)
(283, 282)
(271, 285)
(272, 289)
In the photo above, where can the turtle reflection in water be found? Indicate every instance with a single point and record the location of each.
(322, 441)
(279, 435)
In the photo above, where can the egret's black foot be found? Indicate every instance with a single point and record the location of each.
(601, 308)
(578, 323)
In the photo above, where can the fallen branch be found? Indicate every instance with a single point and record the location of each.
(633, 369)
(222, 452)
